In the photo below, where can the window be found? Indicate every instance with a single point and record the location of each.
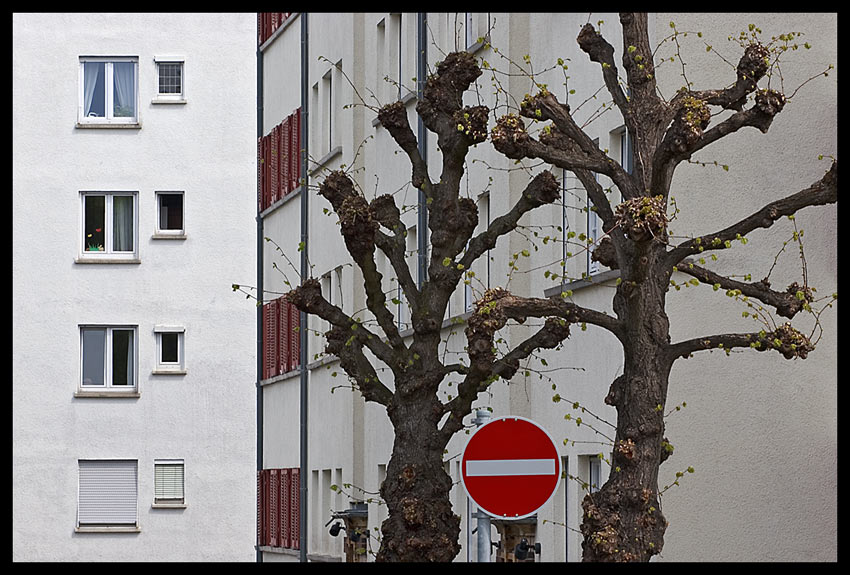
(169, 349)
(170, 80)
(109, 224)
(594, 473)
(594, 226)
(107, 497)
(476, 26)
(108, 358)
(168, 481)
(108, 91)
(169, 221)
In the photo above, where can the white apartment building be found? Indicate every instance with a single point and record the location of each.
(759, 431)
(133, 360)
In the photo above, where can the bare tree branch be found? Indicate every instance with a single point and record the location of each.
(785, 339)
(787, 303)
(822, 192)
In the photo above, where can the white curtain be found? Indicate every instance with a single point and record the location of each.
(91, 72)
(125, 89)
(122, 223)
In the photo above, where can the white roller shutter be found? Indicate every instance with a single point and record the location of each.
(108, 492)
(168, 481)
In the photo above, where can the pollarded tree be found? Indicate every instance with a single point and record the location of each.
(623, 520)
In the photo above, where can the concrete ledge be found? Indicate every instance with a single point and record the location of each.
(109, 529)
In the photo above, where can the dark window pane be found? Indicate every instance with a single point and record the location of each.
(169, 347)
(122, 220)
(93, 230)
(94, 348)
(122, 357)
(124, 85)
(94, 90)
(170, 78)
(171, 211)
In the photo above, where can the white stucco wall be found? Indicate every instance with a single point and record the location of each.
(205, 148)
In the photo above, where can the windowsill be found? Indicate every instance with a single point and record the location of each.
(473, 48)
(108, 394)
(106, 260)
(162, 236)
(595, 279)
(167, 371)
(109, 125)
(294, 193)
(168, 506)
(108, 529)
(281, 550)
(169, 101)
(325, 159)
(282, 377)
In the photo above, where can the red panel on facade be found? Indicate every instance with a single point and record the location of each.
(274, 507)
(286, 500)
(285, 164)
(294, 337)
(294, 508)
(295, 150)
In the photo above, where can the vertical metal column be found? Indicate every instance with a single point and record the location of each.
(259, 288)
(302, 332)
(482, 416)
(421, 76)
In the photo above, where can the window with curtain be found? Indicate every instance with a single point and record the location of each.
(108, 358)
(108, 90)
(109, 223)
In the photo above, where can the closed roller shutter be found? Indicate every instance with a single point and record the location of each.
(108, 492)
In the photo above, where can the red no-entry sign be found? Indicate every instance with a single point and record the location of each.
(510, 467)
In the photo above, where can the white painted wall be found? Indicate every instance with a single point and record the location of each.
(205, 148)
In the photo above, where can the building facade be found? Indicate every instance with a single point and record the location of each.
(133, 360)
(760, 432)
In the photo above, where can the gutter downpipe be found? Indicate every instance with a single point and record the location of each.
(303, 473)
(259, 289)
(421, 73)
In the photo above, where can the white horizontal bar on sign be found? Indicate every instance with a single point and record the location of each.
(495, 467)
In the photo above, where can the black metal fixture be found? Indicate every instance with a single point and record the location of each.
(522, 549)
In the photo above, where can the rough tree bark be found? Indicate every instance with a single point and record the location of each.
(622, 521)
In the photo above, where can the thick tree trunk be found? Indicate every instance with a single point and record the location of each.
(421, 525)
(623, 520)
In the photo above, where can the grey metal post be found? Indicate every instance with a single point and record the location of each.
(482, 416)
(302, 333)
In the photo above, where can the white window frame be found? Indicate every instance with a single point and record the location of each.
(108, 253)
(170, 502)
(161, 233)
(170, 368)
(170, 98)
(106, 526)
(108, 387)
(109, 119)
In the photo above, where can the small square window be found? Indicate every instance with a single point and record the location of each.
(169, 481)
(169, 207)
(170, 80)
(169, 350)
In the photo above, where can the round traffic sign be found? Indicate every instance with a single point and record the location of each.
(510, 467)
